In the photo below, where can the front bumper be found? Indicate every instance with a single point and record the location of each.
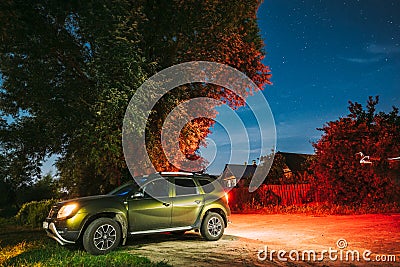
(64, 237)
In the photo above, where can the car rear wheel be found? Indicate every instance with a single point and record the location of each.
(102, 236)
(212, 227)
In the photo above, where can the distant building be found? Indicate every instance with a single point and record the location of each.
(296, 166)
(233, 173)
(294, 170)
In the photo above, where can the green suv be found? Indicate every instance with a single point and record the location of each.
(161, 202)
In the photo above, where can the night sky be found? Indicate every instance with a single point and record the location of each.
(322, 54)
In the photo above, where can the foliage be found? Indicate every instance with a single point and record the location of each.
(181, 31)
(337, 169)
(11, 198)
(4, 221)
(8, 212)
(34, 213)
(69, 69)
(266, 202)
(44, 188)
(275, 173)
(219, 31)
(6, 193)
(326, 208)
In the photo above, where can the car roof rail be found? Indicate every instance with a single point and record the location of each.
(177, 173)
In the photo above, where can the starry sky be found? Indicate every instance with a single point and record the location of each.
(322, 54)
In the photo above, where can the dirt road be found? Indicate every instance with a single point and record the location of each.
(254, 240)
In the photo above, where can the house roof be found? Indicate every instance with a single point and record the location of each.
(238, 171)
(295, 161)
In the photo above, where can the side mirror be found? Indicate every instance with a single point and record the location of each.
(138, 195)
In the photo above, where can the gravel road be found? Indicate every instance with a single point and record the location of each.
(251, 239)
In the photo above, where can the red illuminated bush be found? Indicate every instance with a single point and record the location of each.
(338, 170)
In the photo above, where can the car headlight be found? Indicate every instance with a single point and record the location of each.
(67, 210)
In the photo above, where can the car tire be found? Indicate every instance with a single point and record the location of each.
(101, 236)
(212, 227)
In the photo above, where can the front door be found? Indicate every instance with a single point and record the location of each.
(153, 210)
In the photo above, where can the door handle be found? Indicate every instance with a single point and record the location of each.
(166, 204)
(197, 202)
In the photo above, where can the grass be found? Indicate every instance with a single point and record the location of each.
(22, 246)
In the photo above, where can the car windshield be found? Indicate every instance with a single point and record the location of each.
(124, 189)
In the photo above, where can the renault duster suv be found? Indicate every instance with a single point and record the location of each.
(162, 202)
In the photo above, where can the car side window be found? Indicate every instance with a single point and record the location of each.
(207, 185)
(157, 188)
(124, 189)
(185, 187)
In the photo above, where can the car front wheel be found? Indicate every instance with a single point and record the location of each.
(212, 227)
(102, 236)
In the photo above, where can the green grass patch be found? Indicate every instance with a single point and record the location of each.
(21, 246)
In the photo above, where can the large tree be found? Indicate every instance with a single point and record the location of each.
(180, 31)
(337, 167)
(69, 69)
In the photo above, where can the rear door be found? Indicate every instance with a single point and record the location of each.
(186, 203)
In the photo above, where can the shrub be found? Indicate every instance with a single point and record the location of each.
(34, 213)
(6, 221)
(322, 209)
(338, 171)
(8, 212)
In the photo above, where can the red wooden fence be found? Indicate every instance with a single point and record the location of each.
(290, 194)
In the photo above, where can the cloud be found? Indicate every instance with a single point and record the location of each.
(293, 128)
(362, 60)
(382, 49)
(374, 53)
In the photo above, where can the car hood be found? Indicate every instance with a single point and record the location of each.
(87, 199)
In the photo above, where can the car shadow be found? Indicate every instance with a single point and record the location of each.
(137, 240)
(191, 236)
